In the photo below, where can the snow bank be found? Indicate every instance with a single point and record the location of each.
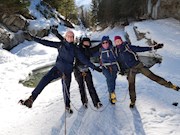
(163, 31)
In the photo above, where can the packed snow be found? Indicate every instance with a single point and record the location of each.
(154, 113)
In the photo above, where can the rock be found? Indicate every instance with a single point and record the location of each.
(9, 39)
(48, 12)
(14, 22)
(4, 37)
(11, 30)
(42, 33)
(159, 9)
(169, 8)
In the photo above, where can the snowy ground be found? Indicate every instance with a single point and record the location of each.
(154, 113)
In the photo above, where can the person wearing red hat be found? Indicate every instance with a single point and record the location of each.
(117, 37)
(127, 56)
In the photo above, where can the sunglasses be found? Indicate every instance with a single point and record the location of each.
(104, 42)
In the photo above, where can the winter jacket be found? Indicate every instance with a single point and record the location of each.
(127, 56)
(107, 56)
(66, 54)
(86, 52)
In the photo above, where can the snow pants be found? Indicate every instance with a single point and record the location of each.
(145, 71)
(54, 73)
(81, 78)
(110, 72)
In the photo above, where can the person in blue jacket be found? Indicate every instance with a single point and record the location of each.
(63, 68)
(129, 61)
(109, 65)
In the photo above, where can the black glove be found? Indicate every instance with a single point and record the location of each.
(54, 27)
(122, 72)
(98, 69)
(28, 36)
(158, 46)
(54, 30)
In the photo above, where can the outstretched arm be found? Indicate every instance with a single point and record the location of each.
(85, 61)
(28, 36)
(95, 48)
(139, 49)
(143, 49)
(56, 33)
(48, 43)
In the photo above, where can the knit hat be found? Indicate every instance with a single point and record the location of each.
(117, 37)
(105, 38)
(86, 39)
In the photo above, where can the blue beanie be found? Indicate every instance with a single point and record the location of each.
(105, 38)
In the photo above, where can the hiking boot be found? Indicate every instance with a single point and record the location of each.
(131, 105)
(112, 98)
(28, 102)
(98, 105)
(175, 87)
(69, 110)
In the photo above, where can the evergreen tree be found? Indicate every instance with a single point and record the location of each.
(87, 17)
(94, 12)
(107, 12)
(66, 7)
(13, 7)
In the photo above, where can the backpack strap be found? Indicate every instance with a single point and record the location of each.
(100, 57)
(108, 64)
(132, 52)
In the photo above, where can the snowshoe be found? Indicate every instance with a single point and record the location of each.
(69, 110)
(131, 105)
(28, 102)
(112, 98)
(98, 105)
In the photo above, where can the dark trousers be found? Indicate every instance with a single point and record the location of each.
(81, 79)
(145, 71)
(54, 73)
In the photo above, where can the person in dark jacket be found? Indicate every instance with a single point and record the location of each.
(81, 71)
(63, 68)
(109, 65)
(129, 60)
(83, 74)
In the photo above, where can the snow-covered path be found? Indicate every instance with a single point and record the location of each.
(154, 113)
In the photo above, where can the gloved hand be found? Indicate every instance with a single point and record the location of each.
(178, 88)
(54, 30)
(122, 72)
(98, 69)
(158, 46)
(28, 36)
(54, 27)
